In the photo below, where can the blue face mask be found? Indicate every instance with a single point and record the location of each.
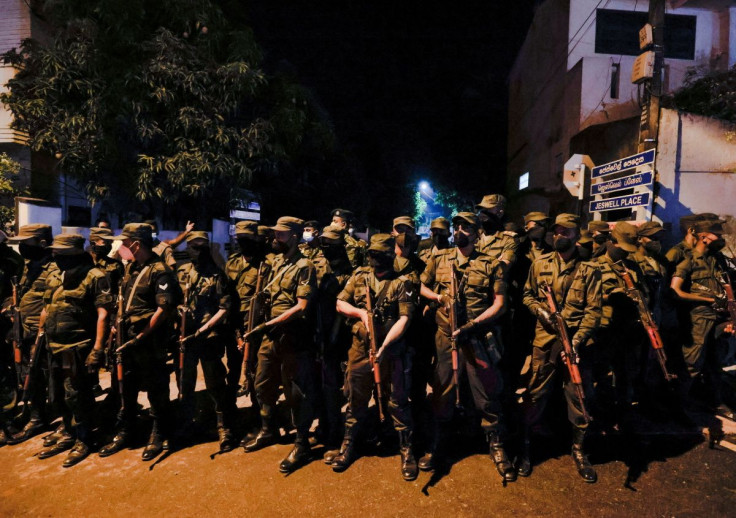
(308, 237)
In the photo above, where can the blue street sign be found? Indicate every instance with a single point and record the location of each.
(630, 162)
(622, 202)
(619, 184)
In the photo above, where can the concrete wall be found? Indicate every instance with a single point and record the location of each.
(696, 162)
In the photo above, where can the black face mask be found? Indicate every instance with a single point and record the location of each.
(199, 254)
(491, 223)
(562, 244)
(585, 252)
(616, 253)
(440, 241)
(248, 247)
(536, 233)
(717, 245)
(279, 247)
(101, 250)
(653, 247)
(600, 239)
(381, 262)
(32, 253)
(69, 262)
(461, 240)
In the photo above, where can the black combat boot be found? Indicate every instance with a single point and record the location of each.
(409, 468)
(79, 452)
(31, 429)
(297, 457)
(54, 436)
(524, 462)
(429, 461)
(65, 442)
(347, 455)
(499, 457)
(118, 442)
(227, 440)
(585, 469)
(155, 443)
(266, 437)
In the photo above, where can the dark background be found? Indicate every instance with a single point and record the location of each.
(413, 90)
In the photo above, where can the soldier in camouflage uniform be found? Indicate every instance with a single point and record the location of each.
(576, 286)
(39, 268)
(393, 302)
(11, 267)
(698, 280)
(621, 339)
(684, 248)
(355, 248)
(286, 355)
(439, 239)
(208, 303)
(150, 294)
(480, 300)
(75, 319)
(496, 242)
(310, 247)
(600, 232)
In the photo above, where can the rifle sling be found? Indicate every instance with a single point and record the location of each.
(135, 285)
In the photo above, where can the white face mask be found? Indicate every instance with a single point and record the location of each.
(125, 253)
(307, 237)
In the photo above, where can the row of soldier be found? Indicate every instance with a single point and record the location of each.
(326, 319)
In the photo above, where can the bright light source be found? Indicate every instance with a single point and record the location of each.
(424, 186)
(524, 181)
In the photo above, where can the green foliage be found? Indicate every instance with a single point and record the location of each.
(712, 95)
(161, 102)
(9, 171)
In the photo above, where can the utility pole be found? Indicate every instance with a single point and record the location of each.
(653, 88)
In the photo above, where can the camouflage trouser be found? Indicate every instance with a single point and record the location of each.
(702, 331)
(395, 384)
(484, 380)
(70, 371)
(285, 358)
(546, 366)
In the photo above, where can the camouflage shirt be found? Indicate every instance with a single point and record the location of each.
(618, 308)
(702, 275)
(205, 293)
(355, 249)
(502, 245)
(290, 279)
(155, 286)
(33, 287)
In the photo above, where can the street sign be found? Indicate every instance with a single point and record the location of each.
(622, 202)
(630, 162)
(620, 184)
(573, 175)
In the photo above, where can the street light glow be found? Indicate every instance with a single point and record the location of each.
(424, 186)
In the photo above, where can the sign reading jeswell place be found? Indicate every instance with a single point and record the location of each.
(622, 202)
(620, 184)
(630, 162)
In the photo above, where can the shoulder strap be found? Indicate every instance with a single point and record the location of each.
(135, 285)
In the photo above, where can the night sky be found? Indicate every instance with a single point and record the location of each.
(413, 90)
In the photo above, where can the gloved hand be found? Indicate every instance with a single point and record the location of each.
(576, 343)
(464, 329)
(256, 331)
(95, 359)
(545, 318)
(720, 303)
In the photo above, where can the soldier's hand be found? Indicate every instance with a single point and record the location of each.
(444, 301)
(190, 226)
(127, 345)
(545, 318)
(464, 329)
(95, 359)
(256, 331)
(364, 319)
(720, 303)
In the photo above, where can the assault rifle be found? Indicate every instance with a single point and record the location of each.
(183, 312)
(568, 355)
(647, 320)
(452, 314)
(118, 334)
(17, 334)
(730, 301)
(373, 347)
(256, 311)
(33, 362)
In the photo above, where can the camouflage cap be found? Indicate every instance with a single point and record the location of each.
(491, 201)
(467, 218)
(246, 228)
(34, 231)
(539, 217)
(649, 229)
(567, 220)
(333, 232)
(198, 234)
(135, 231)
(152, 223)
(440, 224)
(68, 244)
(382, 243)
(598, 226)
(289, 224)
(625, 235)
(709, 227)
(97, 233)
(345, 214)
(404, 220)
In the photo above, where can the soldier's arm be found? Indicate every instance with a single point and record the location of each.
(406, 309)
(588, 282)
(510, 248)
(306, 289)
(498, 307)
(101, 328)
(682, 273)
(427, 279)
(181, 237)
(225, 300)
(531, 291)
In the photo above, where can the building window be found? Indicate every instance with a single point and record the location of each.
(615, 78)
(617, 32)
(524, 181)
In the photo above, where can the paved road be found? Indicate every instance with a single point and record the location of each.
(658, 473)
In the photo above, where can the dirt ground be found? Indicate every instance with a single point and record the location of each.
(653, 473)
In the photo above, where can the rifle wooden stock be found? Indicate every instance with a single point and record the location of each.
(255, 313)
(647, 320)
(452, 314)
(183, 334)
(568, 356)
(33, 361)
(373, 347)
(16, 335)
(119, 333)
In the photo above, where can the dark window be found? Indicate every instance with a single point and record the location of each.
(617, 32)
(615, 76)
